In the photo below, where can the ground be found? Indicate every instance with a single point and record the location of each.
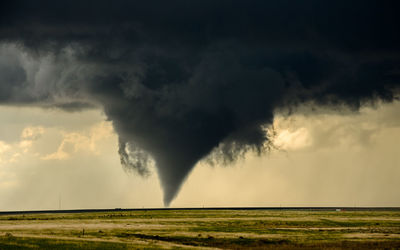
(203, 229)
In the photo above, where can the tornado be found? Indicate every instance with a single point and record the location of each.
(182, 81)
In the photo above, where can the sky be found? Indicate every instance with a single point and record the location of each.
(334, 159)
(200, 103)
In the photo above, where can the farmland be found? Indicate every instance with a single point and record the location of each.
(203, 229)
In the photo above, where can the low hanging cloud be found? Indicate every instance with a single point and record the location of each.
(182, 79)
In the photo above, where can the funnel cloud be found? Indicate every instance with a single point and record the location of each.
(183, 80)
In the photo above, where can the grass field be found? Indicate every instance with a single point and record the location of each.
(203, 229)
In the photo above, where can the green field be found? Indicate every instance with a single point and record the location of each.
(203, 229)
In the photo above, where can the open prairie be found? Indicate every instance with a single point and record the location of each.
(203, 229)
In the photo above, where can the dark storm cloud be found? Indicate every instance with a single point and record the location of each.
(180, 79)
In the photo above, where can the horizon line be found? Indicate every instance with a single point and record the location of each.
(93, 210)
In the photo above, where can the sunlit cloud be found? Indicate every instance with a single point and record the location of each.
(75, 142)
(72, 142)
(4, 147)
(292, 140)
(32, 133)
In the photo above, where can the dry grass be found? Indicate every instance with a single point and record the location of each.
(193, 229)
